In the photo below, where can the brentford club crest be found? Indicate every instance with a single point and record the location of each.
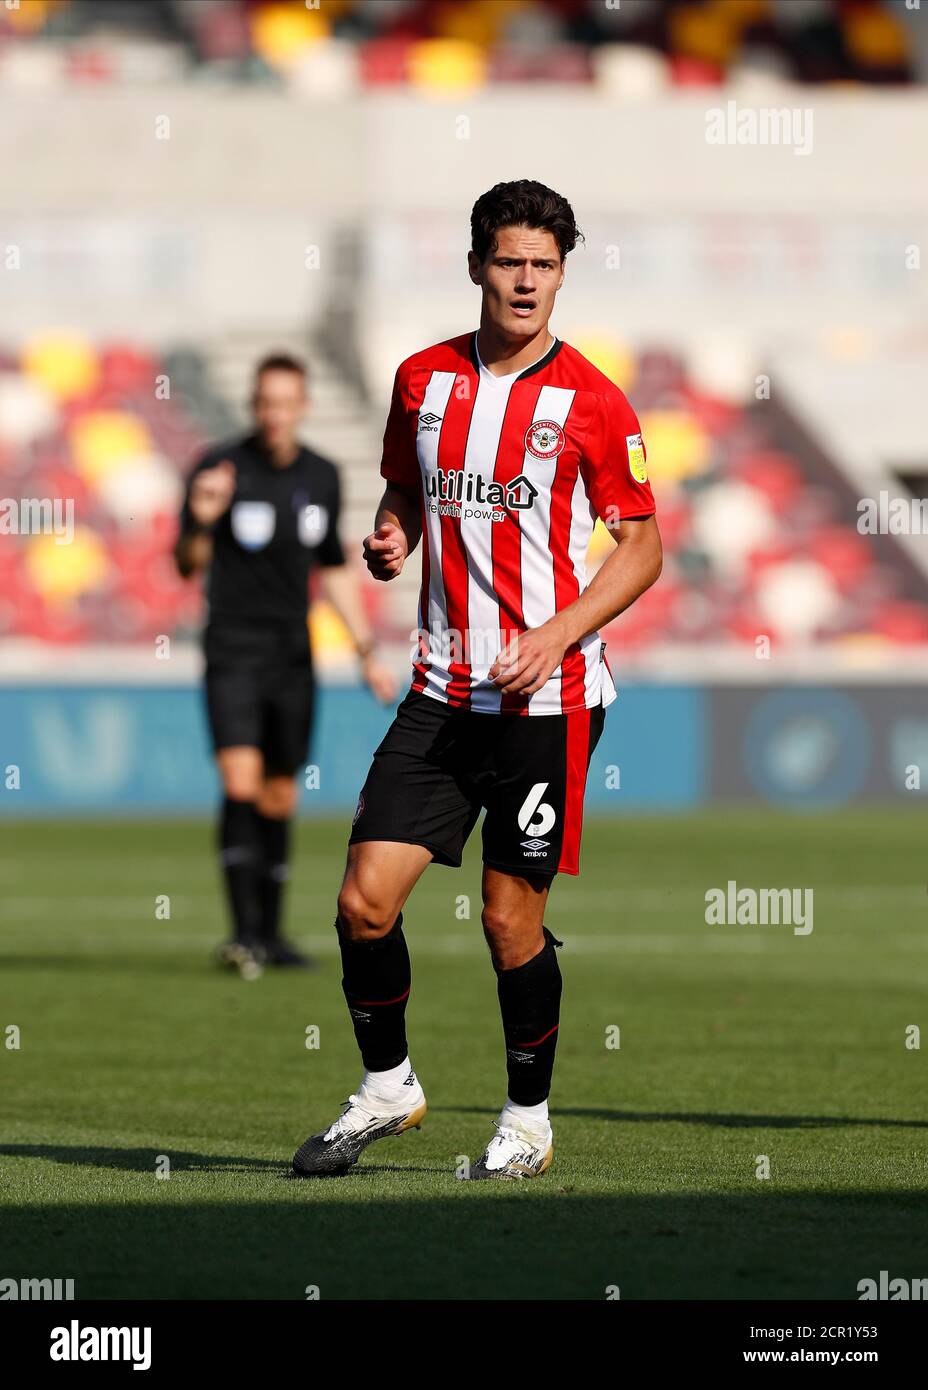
(544, 439)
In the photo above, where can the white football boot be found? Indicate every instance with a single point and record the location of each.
(515, 1151)
(366, 1117)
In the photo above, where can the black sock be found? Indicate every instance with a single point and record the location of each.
(275, 845)
(376, 980)
(530, 1002)
(240, 858)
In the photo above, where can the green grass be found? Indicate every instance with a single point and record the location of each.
(735, 1042)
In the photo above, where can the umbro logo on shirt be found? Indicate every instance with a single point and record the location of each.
(429, 422)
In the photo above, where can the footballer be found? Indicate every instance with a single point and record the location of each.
(260, 514)
(501, 448)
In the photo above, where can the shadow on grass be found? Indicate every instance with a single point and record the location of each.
(139, 1160)
(469, 1241)
(703, 1118)
(143, 1161)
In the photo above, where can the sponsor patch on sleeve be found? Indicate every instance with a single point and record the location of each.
(636, 457)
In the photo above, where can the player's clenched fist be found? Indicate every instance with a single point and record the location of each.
(385, 551)
(211, 492)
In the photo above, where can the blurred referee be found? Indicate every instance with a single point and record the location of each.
(261, 513)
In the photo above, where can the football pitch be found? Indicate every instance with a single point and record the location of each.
(689, 1054)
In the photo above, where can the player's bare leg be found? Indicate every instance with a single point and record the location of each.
(529, 987)
(242, 772)
(379, 877)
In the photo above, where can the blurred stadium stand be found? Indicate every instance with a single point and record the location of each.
(151, 273)
(186, 186)
(756, 517)
(113, 429)
(638, 46)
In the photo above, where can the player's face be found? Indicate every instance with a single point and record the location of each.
(279, 406)
(519, 279)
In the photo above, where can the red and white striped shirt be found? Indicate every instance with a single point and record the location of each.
(512, 472)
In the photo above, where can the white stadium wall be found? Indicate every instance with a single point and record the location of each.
(207, 231)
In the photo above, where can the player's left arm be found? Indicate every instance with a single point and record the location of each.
(632, 567)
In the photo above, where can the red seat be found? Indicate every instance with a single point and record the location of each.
(903, 622)
(385, 62)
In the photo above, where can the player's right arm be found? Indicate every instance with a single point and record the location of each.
(209, 495)
(398, 523)
(397, 529)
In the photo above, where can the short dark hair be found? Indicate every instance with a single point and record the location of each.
(523, 202)
(281, 362)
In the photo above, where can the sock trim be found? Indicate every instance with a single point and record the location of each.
(539, 1041)
(375, 1002)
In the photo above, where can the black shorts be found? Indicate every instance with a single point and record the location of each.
(438, 766)
(260, 692)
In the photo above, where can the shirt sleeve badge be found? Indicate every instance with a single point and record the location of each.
(636, 457)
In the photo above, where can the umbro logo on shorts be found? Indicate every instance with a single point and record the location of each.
(535, 844)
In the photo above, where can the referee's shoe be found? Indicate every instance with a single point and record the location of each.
(247, 957)
(278, 952)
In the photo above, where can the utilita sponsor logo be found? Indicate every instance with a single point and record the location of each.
(458, 486)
